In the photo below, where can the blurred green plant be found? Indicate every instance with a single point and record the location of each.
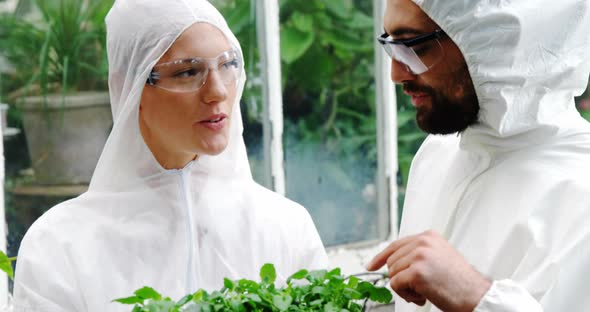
(328, 77)
(62, 51)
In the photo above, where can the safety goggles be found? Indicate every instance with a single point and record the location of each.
(419, 54)
(189, 75)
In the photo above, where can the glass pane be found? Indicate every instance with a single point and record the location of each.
(330, 116)
(240, 16)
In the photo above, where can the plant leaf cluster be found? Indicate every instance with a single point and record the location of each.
(318, 290)
(59, 47)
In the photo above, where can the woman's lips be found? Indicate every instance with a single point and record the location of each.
(214, 122)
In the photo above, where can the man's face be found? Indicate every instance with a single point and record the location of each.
(444, 95)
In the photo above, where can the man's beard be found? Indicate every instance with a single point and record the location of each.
(446, 115)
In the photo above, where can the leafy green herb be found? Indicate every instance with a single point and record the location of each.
(318, 290)
(6, 264)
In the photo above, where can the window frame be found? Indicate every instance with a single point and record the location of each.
(351, 256)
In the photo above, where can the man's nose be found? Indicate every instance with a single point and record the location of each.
(400, 72)
(214, 89)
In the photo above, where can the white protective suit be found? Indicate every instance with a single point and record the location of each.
(139, 224)
(511, 193)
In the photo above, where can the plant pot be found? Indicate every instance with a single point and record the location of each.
(65, 135)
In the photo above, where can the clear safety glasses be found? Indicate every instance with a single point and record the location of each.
(419, 53)
(188, 75)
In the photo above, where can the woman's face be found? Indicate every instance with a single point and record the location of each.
(178, 126)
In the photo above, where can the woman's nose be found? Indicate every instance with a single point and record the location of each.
(214, 89)
(400, 72)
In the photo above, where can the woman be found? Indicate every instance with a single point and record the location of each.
(172, 203)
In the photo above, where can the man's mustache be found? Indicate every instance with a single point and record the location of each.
(411, 87)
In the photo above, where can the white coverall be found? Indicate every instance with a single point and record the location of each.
(511, 193)
(141, 225)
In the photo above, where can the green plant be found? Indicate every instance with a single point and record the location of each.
(319, 290)
(64, 51)
(6, 264)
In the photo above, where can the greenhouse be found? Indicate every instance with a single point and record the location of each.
(282, 155)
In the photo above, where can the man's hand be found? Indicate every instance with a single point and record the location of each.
(426, 267)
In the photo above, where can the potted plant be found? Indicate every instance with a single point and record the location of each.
(59, 60)
(318, 290)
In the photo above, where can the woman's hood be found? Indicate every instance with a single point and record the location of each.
(139, 32)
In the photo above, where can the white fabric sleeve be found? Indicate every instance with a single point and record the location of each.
(508, 296)
(44, 280)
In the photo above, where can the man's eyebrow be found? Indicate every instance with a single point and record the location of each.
(397, 32)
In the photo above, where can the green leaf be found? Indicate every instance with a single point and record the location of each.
(354, 294)
(254, 297)
(227, 283)
(298, 275)
(335, 272)
(317, 275)
(282, 302)
(6, 265)
(199, 295)
(378, 294)
(331, 307)
(294, 43)
(184, 300)
(316, 302)
(340, 8)
(347, 42)
(238, 17)
(248, 285)
(161, 306)
(319, 290)
(360, 20)
(381, 295)
(353, 281)
(129, 300)
(148, 293)
(268, 274)
(303, 22)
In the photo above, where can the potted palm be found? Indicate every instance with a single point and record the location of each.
(59, 59)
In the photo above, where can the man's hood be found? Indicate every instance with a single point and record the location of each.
(527, 59)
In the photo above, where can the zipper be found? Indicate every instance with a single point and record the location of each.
(190, 272)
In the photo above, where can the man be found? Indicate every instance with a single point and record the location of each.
(496, 216)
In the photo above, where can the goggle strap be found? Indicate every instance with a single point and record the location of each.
(412, 41)
(153, 76)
